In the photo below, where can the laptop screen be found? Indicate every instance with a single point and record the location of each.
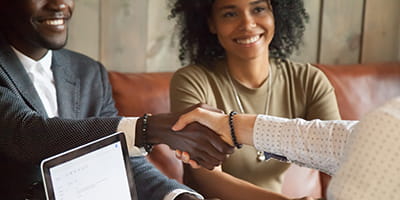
(94, 171)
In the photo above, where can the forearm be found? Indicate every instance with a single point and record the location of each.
(243, 126)
(217, 184)
(316, 144)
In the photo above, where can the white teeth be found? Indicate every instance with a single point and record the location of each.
(54, 22)
(248, 40)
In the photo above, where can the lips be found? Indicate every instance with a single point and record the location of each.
(53, 23)
(248, 40)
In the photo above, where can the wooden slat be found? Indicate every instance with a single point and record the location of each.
(341, 31)
(84, 29)
(381, 31)
(124, 34)
(308, 51)
(162, 43)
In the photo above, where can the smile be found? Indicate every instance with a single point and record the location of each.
(250, 40)
(54, 22)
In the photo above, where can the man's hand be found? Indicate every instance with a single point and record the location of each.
(204, 146)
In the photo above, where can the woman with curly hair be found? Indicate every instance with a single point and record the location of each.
(237, 51)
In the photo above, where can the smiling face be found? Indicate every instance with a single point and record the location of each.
(38, 25)
(245, 28)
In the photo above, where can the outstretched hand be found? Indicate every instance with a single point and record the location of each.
(204, 146)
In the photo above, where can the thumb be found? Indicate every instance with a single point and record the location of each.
(182, 122)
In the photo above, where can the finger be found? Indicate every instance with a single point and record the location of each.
(220, 145)
(185, 157)
(205, 164)
(194, 164)
(204, 143)
(178, 154)
(184, 120)
(204, 150)
(202, 158)
(210, 159)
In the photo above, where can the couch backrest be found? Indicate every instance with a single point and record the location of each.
(359, 88)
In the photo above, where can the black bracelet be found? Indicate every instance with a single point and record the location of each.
(235, 142)
(147, 147)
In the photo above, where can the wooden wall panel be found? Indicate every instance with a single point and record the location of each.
(124, 34)
(381, 40)
(84, 32)
(341, 31)
(135, 35)
(162, 43)
(308, 52)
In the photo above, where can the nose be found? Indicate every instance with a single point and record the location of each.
(58, 5)
(248, 22)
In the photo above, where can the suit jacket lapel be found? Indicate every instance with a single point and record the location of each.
(18, 75)
(67, 86)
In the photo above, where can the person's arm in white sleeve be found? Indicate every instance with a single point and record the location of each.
(128, 126)
(370, 167)
(316, 144)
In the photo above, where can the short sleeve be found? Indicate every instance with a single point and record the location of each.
(189, 86)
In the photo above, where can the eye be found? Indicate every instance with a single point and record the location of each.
(259, 9)
(228, 14)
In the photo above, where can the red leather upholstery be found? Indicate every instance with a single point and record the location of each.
(138, 93)
(359, 88)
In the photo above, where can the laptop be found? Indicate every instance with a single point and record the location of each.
(97, 170)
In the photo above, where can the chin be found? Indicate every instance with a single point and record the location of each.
(55, 44)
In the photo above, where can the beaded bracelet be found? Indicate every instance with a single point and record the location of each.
(147, 147)
(235, 142)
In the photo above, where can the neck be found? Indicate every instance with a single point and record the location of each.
(250, 73)
(36, 53)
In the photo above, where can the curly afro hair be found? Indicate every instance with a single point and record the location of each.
(199, 46)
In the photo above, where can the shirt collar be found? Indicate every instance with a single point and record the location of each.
(29, 63)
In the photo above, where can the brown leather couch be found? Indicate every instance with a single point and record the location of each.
(359, 88)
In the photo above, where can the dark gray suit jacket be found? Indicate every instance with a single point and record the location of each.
(86, 112)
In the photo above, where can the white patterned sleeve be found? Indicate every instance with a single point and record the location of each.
(315, 144)
(370, 168)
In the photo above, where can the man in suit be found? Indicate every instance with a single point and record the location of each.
(53, 99)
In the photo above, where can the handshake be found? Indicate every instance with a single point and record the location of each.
(200, 131)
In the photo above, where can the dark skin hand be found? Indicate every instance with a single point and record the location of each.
(203, 145)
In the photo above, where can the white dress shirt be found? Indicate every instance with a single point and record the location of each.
(363, 157)
(42, 78)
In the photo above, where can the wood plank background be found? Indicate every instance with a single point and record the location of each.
(136, 36)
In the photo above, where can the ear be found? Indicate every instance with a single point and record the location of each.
(211, 26)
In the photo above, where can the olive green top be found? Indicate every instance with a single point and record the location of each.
(297, 91)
